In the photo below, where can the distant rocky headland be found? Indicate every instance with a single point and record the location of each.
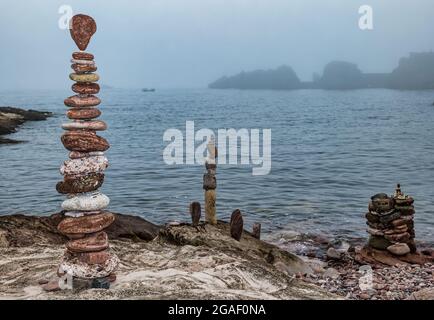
(11, 118)
(415, 72)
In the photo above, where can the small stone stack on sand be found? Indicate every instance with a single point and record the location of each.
(390, 223)
(88, 258)
(210, 183)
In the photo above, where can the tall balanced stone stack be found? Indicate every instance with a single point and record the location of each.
(87, 258)
(210, 183)
(390, 223)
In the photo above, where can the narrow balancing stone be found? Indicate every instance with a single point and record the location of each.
(88, 261)
(210, 183)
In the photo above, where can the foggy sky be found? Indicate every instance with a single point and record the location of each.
(189, 43)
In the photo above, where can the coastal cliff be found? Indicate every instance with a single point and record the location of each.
(415, 72)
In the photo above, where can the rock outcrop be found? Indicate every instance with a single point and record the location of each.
(182, 261)
(11, 118)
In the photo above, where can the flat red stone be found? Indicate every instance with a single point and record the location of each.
(99, 257)
(86, 224)
(82, 56)
(83, 114)
(82, 102)
(84, 141)
(91, 243)
(85, 88)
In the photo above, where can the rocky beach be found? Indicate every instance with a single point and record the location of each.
(156, 262)
(11, 118)
(179, 260)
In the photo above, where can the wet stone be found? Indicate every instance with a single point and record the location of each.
(195, 212)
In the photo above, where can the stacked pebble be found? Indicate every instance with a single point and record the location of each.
(390, 223)
(210, 183)
(88, 255)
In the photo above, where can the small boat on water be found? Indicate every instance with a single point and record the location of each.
(148, 90)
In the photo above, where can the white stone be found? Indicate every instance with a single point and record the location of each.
(86, 271)
(84, 165)
(88, 62)
(77, 214)
(86, 202)
(77, 154)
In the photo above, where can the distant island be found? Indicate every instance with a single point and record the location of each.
(415, 72)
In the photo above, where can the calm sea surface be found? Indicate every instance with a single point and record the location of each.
(331, 150)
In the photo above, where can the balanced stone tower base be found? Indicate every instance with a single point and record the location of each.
(88, 261)
(390, 223)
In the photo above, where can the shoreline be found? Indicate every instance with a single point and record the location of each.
(180, 261)
(12, 118)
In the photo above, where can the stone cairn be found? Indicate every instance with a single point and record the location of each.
(87, 260)
(390, 223)
(210, 183)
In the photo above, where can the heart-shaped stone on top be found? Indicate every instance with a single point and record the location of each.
(82, 28)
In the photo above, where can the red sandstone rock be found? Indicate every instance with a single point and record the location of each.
(51, 286)
(83, 68)
(85, 88)
(92, 243)
(83, 114)
(84, 141)
(82, 29)
(82, 56)
(99, 257)
(82, 102)
(236, 225)
(86, 224)
(79, 184)
(75, 236)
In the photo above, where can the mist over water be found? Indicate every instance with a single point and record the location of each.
(331, 151)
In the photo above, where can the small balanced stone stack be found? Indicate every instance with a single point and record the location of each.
(210, 183)
(88, 258)
(390, 223)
